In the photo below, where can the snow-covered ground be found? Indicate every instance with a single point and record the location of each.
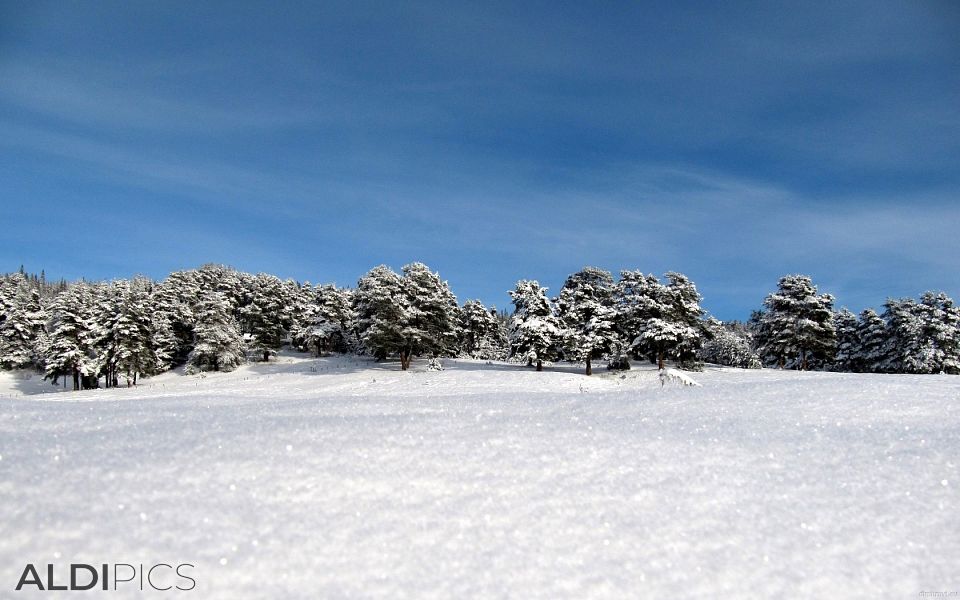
(335, 477)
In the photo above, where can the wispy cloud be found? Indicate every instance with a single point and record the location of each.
(498, 142)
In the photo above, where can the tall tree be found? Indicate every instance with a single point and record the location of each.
(797, 323)
(326, 320)
(847, 357)
(411, 316)
(433, 324)
(660, 321)
(69, 350)
(923, 337)
(483, 334)
(22, 320)
(941, 330)
(872, 336)
(586, 309)
(132, 330)
(906, 349)
(265, 313)
(536, 333)
(219, 345)
(382, 307)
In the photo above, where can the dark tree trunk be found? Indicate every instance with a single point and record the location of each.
(660, 360)
(76, 380)
(539, 365)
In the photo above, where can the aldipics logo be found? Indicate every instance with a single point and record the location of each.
(162, 577)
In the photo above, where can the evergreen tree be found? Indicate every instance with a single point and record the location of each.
(325, 321)
(68, 351)
(303, 309)
(411, 316)
(172, 304)
(21, 322)
(586, 309)
(163, 341)
(797, 324)
(923, 337)
(847, 357)
(132, 330)
(265, 313)
(535, 332)
(660, 321)
(906, 349)
(941, 330)
(219, 344)
(382, 308)
(100, 341)
(336, 308)
(483, 334)
(686, 312)
(872, 342)
(433, 326)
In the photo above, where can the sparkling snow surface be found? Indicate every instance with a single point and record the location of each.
(336, 478)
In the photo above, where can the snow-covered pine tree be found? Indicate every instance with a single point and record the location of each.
(219, 344)
(483, 335)
(68, 348)
(433, 323)
(325, 321)
(906, 349)
(163, 341)
(941, 331)
(411, 315)
(382, 308)
(336, 307)
(100, 336)
(637, 301)
(172, 303)
(132, 330)
(536, 333)
(847, 357)
(685, 311)
(797, 324)
(22, 321)
(872, 342)
(660, 321)
(303, 308)
(586, 309)
(265, 313)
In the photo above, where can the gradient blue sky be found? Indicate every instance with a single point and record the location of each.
(735, 142)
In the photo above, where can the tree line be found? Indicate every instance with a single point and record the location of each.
(799, 328)
(215, 318)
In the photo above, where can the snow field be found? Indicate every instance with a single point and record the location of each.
(335, 477)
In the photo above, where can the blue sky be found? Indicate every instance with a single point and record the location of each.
(734, 142)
